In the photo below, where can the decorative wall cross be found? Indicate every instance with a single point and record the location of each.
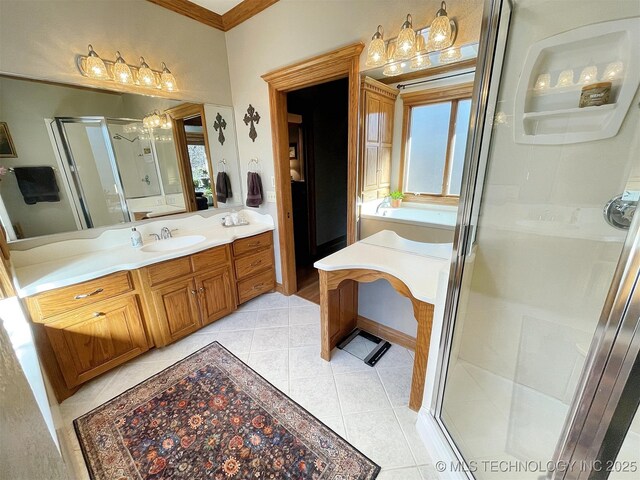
(219, 124)
(249, 118)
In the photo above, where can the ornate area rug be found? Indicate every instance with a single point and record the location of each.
(211, 416)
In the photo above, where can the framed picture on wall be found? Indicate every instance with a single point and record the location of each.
(7, 148)
(293, 150)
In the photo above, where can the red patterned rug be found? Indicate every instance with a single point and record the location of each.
(211, 416)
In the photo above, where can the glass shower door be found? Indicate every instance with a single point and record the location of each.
(538, 271)
(91, 164)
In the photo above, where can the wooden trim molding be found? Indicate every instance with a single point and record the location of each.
(234, 17)
(431, 72)
(436, 95)
(340, 63)
(386, 333)
(378, 87)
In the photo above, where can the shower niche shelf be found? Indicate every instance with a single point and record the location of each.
(546, 108)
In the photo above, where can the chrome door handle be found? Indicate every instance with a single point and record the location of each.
(618, 212)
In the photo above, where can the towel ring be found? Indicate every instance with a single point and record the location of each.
(253, 160)
(224, 164)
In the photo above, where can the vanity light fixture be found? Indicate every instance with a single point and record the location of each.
(92, 66)
(440, 32)
(121, 71)
(406, 42)
(167, 80)
(376, 53)
(95, 67)
(156, 119)
(146, 76)
(414, 46)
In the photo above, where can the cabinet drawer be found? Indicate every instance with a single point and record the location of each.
(211, 258)
(92, 340)
(254, 286)
(250, 244)
(161, 272)
(254, 263)
(61, 300)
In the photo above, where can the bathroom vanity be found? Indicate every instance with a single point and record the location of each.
(108, 302)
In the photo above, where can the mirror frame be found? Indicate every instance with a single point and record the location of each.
(178, 115)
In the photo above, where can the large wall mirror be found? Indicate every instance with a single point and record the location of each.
(73, 158)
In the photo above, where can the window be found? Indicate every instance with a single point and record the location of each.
(434, 136)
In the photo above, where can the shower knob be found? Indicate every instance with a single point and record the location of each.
(618, 212)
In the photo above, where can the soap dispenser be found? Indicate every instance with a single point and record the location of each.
(136, 238)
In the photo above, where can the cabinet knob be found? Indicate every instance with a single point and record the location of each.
(258, 286)
(193, 292)
(256, 263)
(98, 314)
(201, 289)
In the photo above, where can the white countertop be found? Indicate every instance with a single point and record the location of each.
(418, 265)
(68, 262)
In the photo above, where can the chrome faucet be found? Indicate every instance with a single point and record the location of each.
(165, 233)
(155, 235)
(386, 203)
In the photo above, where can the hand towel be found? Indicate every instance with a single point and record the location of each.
(254, 190)
(37, 184)
(223, 187)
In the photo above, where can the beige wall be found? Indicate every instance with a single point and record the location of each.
(41, 38)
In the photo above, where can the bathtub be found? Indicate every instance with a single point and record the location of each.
(433, 223)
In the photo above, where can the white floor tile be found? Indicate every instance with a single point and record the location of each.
(344, 362)
(277, 317)
(304, 335)
(296, 301)
(264, 339)
(361, 392)
(304, 315)
(396, 356)
(378, 436)
(407, 419)
(271, 365)
(316, 394)
(400, 474)
(397, 384)
(306, 362)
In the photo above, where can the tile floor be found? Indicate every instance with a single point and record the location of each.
(279, 337)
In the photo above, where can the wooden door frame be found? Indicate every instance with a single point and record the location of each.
(178, 115)
(341, 63)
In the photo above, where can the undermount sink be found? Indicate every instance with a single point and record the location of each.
(174, 243)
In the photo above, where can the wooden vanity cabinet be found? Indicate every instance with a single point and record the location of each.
(91, 327)
(188, 293)
(378, 105)
(253, 261)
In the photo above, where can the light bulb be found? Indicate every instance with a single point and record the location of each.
(421, 60)
(392, 69)
(165, 123)
(613, 71)
(543, 82)
(167, 80)
(440, 30)
(376, 54)
(94, 66)
(146, 76)
(406, 41)
(450, 55)
(565, 79)
(588, 75)
(121, 71)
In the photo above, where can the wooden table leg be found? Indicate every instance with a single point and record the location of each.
(325, 347)
(424, 315)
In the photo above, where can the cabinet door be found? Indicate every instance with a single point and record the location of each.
(215, 294)
(370, 170)
(384, 167)
(177, 308)
(372, 118)
(95, 339)
(386, 122)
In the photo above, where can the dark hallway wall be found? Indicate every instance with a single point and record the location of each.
(324, 109)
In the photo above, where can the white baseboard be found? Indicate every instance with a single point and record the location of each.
(443, 457)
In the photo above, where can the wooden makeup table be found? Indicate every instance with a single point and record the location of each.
(412, 268)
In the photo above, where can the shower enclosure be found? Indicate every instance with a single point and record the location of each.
(539, 360)
(109, 163)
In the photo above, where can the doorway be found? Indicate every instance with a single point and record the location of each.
(338, 64)
(318, 159)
